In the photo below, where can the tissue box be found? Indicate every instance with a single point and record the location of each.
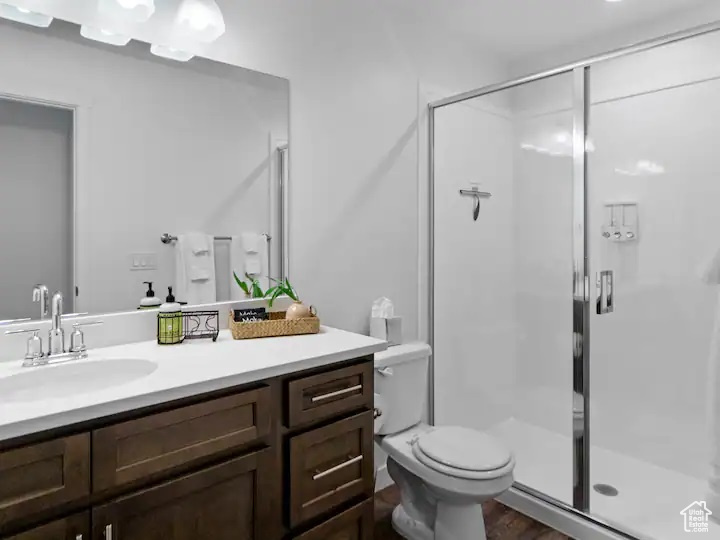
(387, 328)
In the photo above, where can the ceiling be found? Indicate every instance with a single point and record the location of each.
(517, 28)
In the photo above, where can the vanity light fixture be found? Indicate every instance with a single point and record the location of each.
(25, 15)
(199, 21)
(171, 53)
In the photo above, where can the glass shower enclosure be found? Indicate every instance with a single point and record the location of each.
(575, 266)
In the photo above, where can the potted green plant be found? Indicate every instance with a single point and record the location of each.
(251, 287)
(297, 310)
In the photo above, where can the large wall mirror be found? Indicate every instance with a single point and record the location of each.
(119, 168)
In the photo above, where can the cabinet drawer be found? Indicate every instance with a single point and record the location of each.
(322, 396)
(329, 466)
(75, 527)
(354, 524)
(228, 501)
(156, 444)
(40, 476)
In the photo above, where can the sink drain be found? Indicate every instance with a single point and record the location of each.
(606, 489)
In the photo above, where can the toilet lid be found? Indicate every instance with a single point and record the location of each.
(463, 448)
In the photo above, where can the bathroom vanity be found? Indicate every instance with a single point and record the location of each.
(264, 439)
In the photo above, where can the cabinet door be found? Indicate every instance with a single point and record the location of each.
(354, 524)
(41, 476)
(224, 502)
(330, 466)
(75, 527)
(156, 445)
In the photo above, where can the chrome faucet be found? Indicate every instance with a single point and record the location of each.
(34, 355)
(41, 294)
(57, 334)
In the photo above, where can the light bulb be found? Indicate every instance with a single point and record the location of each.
(171, 53)
(200, 20)
(136, 11)
(104, 35)
(24, 15)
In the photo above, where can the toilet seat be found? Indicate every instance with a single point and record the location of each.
(463, 453)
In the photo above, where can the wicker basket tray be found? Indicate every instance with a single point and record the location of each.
(278, 325)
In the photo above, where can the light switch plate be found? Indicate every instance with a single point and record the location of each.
(143, 261)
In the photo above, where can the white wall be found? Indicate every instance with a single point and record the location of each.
(162, 147)
(622, 37)
(354, 72)
(475, 321)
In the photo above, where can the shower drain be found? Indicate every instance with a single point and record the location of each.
(606, 489)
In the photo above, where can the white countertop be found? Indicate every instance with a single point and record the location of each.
(184, 370)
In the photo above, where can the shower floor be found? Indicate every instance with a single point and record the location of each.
(649, 498)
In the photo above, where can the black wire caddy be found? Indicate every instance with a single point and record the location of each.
(176, 327)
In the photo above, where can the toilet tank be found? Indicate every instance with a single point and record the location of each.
(401, 375)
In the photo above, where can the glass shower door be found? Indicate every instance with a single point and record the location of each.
(654, 242)
(503, 264)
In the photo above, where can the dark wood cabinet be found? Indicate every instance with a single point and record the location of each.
(224, 502)
(287, 457)
(324, 395)
(353, 524)
(43, 475)
(154, 445)
(74, 527)
(330, 466)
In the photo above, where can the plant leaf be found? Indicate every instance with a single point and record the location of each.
(241, 284)
(256, 290)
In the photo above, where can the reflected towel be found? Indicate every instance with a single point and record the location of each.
(194, 273)
(199, 243)
(255, 264)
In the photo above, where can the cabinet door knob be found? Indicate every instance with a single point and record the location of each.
(78, 537)
(108, 532)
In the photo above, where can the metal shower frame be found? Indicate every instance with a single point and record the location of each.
(581, 281)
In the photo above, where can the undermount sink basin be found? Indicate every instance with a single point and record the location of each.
(72, 378)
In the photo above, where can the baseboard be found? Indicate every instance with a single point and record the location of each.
(382, 479)
(567, 523)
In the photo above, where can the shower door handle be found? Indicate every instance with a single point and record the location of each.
(605, 297)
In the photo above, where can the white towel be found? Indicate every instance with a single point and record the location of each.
(252, 242)
(195, 273)
(254, 263)
(200, 243)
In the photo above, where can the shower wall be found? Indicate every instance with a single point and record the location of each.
(475, 324)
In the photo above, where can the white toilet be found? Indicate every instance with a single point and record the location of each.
(444, 472)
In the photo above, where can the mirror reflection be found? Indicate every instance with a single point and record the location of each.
(119, 169)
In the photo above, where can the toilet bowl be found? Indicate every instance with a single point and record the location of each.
(444, 473)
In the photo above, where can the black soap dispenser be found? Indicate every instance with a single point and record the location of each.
(150, 301)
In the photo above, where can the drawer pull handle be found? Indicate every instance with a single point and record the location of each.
(78, 537)
(108, 532)
(337, 393)
(337, 468)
